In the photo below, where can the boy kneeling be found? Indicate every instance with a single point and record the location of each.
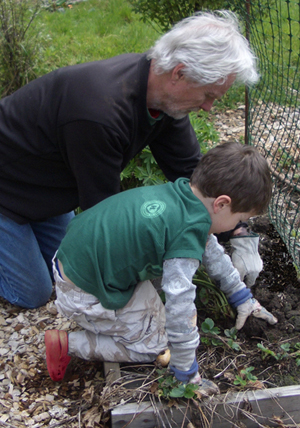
(110, 253)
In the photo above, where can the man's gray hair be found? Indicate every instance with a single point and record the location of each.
(210, 45)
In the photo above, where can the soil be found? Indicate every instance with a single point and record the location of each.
(278, 290)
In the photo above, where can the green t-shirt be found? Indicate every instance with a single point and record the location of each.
(124, 239)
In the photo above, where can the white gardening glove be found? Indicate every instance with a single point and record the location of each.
(252, 306)
(245, 257)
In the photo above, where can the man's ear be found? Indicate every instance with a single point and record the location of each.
(220, 203)
(177, 73)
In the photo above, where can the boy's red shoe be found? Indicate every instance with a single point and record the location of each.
(57, 357)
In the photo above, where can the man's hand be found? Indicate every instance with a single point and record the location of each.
(245, 257)
(253, 307)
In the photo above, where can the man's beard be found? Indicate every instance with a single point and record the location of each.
(176, 114)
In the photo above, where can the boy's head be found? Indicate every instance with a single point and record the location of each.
(238, 172)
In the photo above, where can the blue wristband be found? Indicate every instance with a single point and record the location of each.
(183, 376)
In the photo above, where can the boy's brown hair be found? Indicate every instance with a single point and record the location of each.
(237, 171)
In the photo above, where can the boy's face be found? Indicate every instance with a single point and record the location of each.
(224, 220)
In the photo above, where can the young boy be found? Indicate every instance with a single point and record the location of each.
(110, 253)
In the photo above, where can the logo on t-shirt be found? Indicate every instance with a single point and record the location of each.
(152, 208)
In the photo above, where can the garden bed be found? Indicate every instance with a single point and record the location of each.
(28, 397)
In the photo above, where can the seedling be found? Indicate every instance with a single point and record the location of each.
(244, 377)
(208, 327)
(232, 335)
(169, 387)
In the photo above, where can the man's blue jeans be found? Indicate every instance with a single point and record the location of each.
(26, 252)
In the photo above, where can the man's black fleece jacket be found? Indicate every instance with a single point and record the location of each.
(66, 136)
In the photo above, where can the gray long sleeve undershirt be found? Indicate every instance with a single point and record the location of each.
(180, 292)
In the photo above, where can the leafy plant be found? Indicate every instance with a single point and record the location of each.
(210, 296)
(244, 377)
(208, 327)
(20, 43)
(265, 352)
(206, 133)
(232, 337)
(165, 13)
(143, 170)
(170, 387)
(287, 351)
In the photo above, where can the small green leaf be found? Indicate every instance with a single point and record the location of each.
(178, 391)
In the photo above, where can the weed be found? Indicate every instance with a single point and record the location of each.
(232, 337)
(286, 351)
(169, 387)
(210, 296)
(20, 43)
(244, 377)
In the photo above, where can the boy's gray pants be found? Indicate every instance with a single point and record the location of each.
(135, 333)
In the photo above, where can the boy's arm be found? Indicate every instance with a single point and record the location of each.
(181, 313)
(220, 268)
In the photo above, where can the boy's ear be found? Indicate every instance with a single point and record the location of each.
(221, 202)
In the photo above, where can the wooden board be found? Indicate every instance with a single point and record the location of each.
(244, 409)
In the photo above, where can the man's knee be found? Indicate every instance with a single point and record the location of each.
(29, 296)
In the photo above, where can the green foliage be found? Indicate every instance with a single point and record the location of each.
(244, 377)
(210, 296)
(91, 30)
(286, 351)
(208, 327)
(206, 133)
(55, 5)
(232, 337)
(20, 43)
(170, 387)
(143, 169)
(213, 337)
(165, 13)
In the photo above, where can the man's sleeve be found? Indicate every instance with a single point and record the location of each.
(177, 150)
(181, 313)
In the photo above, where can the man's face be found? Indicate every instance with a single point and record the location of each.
(183, 97)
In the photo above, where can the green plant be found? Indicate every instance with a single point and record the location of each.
(244, 377)
(211, 297)
(286, 350)
(20, 43)
(92, 30)
(232, 337)
(265, 352)
(208, 327)
(142, 171)
(55, 5)
(213, 335)
(205, 131)
(165, 13)
(169, 387)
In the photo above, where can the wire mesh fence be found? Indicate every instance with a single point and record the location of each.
(273, 117)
